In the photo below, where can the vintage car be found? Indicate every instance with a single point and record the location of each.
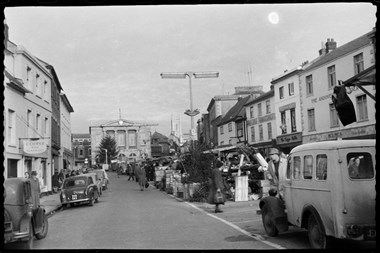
(80, 189)
(21, 221)
(329, 189)
(103, 177)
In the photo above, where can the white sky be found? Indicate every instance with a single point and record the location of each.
(108, 57)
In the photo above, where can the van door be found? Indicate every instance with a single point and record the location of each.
(288, 194)
(359, 180)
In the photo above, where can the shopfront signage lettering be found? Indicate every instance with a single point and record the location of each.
(267, 118)
(289, 138)
(315, 100)
(251, 122)
(35, 147)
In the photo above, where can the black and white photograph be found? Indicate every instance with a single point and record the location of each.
(193, 126)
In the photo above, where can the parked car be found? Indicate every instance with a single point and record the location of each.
(80, 189)
(21, 221)
(329, 189)
(102, 175)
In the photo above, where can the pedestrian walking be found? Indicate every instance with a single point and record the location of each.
(142, 177)
(55, 181)
(217, 195)
(136, 171)
(276, 171)
(131, 173)
(36, 190)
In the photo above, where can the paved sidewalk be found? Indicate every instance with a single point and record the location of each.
(51, 202)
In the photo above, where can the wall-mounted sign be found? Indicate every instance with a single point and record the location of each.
(290, 138)
(35, 147)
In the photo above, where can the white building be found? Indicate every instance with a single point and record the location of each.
(66, 158)
(317, 81)
(27, 110)
(261, 122)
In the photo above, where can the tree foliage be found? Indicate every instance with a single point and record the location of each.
(110, 145)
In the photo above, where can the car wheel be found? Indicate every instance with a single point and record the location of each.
(91, 203)
(317, 237)
(45, 228)
(28, 244)
(267, 218)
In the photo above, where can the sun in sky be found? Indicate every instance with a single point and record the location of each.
(273, 17)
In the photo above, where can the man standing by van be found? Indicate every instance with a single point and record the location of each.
(276, 170)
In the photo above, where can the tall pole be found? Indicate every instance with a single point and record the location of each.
(106, 156)
(191, 107)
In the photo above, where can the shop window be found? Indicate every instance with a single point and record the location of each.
(12, 168)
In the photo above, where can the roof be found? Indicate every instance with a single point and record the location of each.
(353, 45)
(80, 135)
(336, 144)
(222, 98)
(262, 97)
(66, 102)
(161, 137)
(236, 111)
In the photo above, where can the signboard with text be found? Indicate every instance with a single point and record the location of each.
(36, 148)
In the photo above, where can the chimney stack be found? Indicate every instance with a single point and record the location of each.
(330, 45)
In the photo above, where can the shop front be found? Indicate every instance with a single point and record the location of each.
(287, 142)
(35, 156)
(264, 147)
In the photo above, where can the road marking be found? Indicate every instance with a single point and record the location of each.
(256, 237)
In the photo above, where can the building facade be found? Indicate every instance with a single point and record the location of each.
(261, 122)
(319, 117)
(133, 139)
(66, 160)
(27, 113)
(81, 149)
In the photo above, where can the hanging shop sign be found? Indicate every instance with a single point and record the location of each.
(37, 148)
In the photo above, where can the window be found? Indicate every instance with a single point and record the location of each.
(251, 112)
(281, 92)
(11, 128)
(293, 120)
(28, 79)
(143, 140)
(308, 167)
(331, 77)
(259, 109)
(334, 120)
(110, 133)
(45, 95)
(283, 123)
(38, 84)
(267, 104)
(359, 165)
(81, 152)
(38, 122)
(291, 89)
(311, 119)
(132, 138)
(121, 138)
(221, 130)
(269, 125)
(321, 167)
(358, 63)
(46, 126)
(261, 134)
(253, 134)
(296, 167)
(239, 129)
(309, 85)
(362, 111)
(230, 127)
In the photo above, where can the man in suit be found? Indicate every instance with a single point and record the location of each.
(276, 171)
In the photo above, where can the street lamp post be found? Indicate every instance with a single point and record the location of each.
(182, 75)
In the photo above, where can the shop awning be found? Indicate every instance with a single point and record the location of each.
(216, 150)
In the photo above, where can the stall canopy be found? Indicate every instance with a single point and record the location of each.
(216, 150)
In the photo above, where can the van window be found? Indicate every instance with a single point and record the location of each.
(90, 181)
(360, 165)
(289, 167)
(308, 167)
(321, 167)
(296, 167)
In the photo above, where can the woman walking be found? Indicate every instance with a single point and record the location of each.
(142, 177)
(36, 190)
(217, 187)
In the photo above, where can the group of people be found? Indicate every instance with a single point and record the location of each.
(274, 174)
(137, 172)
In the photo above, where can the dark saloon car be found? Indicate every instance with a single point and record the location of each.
(80, 189)
(21, 221)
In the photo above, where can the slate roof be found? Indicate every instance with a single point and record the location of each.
(237, 111)
(353, 45)
(81, 135)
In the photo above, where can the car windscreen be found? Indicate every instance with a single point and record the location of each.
(75, 182)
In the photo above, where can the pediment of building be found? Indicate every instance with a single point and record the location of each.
(121, 122)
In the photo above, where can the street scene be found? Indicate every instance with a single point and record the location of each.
(237, 127)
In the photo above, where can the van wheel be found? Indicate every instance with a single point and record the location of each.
(317, 237)
(45, 227)
(267, 218)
